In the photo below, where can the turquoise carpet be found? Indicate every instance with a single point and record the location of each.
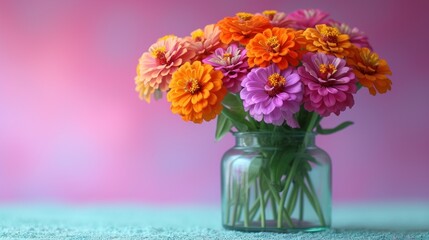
(352, 221)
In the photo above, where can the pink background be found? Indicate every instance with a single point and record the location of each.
(72, 128)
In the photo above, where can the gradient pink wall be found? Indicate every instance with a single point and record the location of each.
(72, 128)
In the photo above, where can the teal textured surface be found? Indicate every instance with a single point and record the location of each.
(354, 221)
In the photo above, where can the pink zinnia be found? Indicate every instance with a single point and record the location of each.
(232, 62)
(307, 18)
(277, 19)
(328, 83)
(205, 42)
(357, 37)
(156, 66)
(272, 95)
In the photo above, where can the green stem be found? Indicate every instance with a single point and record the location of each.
(254, 208)
(315, 201)
(246, 202)
(292, 200)
(284, 194)
(229, 198)
(262, 204)
(237, 198)
(277, 201)
(301, 204)
(273, 206)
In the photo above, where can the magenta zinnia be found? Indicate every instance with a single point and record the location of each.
(272, 95)
(232, 62)
(307, 18)
(156, 66)
(328, 84)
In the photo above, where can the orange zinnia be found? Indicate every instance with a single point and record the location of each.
(370, 70)
(328, 40)
(242, 27)
(278, 45)
(196, 92)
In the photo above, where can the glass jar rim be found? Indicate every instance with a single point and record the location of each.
(291, 134)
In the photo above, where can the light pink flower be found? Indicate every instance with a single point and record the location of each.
(205, 42)
(156, 66)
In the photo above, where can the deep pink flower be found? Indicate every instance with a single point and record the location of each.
(307, 18)
(232, 62)
(329, 84)
(272, 95)
(357, 37)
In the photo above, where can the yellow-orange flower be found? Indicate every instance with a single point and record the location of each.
(242, 27)
(196, 92)
(370, 70)
(325, 39)
(278, 45)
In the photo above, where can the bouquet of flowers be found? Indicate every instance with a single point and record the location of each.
(264, 72)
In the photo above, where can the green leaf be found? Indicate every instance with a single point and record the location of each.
(340, 127)
(232, 101)
(255, 168)
(223, 126)
(284, 163)
(307, 157)
(236, 119)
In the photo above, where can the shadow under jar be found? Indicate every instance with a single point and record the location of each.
(276, 182)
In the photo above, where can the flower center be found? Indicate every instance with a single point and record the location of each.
(275, 84)
(273, 44)
(192, 86)
(244, 16)
(329, 34)
(269, 14)
(197, 35)
(227, 55)
(326, 70)
(371, 60)
(159, 54)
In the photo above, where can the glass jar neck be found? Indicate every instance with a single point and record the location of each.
(273, 140)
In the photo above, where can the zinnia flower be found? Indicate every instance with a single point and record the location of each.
(145, 91)
(232, 62)
(156, 66)
(272, 95)
(307, 18)
(357, 37)
(196, 92)
(325, 39)
(328, 84)
(370, 70)
(242, 27)
(277, 45)
(204, 42)
(277, 19)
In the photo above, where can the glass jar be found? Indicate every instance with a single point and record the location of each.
(276, 182)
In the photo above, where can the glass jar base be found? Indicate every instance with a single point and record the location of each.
(271, 226)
